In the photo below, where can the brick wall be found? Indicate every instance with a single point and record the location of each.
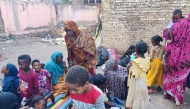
(2, 26)
(125, 22)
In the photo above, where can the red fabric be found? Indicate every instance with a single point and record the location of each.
(89, 97)
(27, 83)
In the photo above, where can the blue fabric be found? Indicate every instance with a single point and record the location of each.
(188, 81)
(11, 81)
(133, 56)
(56, 69)
(116, 101)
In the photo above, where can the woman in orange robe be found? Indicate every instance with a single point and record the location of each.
(81, 47)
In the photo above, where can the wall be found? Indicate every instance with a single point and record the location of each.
(125, 22)
(82, 14)
(22, 17)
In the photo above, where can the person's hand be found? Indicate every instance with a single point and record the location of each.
(64, 64)
(110, 103)
(169, 41)
(129, 65)
(87, 58)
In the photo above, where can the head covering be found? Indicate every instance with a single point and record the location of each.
(8, 101)
(10, 76)
(56, 69)
(84, 40)
(11, 81)
(109, 65)
(71, 25)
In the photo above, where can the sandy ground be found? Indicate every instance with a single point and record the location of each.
(42, 51)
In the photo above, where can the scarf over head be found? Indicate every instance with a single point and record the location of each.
(11, 81)
(109, 65)
(84, 40)
(56, 69)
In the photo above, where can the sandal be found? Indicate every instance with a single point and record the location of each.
(151, 91)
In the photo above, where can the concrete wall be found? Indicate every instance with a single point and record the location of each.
(82, 14)
(125, 22)
(21, 17)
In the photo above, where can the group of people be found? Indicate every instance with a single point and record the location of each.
(130, 78)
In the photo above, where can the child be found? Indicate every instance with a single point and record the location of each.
(38, 102)
(98, 80)
(84, 94)
(45, 80)
(155, 73)
(125, 59)
(138, 93)
(11, 80)
(29, 85)
(177, 15)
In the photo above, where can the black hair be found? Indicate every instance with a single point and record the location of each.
(77, 75)
(177, 11)
(127, 53)
(98, 79)
(36, 99)
(35, 60)
(141, 48)
(42, 65)
(25, 57)
(132, 47)
(157, 39)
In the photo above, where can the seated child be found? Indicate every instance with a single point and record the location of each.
(125, 59)
(38, 102)
(29, 85)
(45, 80)
(11, 80)
(113, 101)
(83, 94)
(98, 80)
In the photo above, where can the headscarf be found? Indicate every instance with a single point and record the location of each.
(11, 81)
(84, 40)
(109, 65)
(56, 69)
(8, 101)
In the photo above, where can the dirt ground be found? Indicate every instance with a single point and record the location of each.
(42, 51)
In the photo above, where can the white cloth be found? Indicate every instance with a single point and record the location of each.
(170, 25)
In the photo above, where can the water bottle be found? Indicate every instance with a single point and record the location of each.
(112, 96)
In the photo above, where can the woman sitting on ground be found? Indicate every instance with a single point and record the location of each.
(116, 77)
(57, 68)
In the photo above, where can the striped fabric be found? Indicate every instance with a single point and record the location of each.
(59, 103)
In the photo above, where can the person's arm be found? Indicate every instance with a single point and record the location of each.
(100, 102)
(50, 78)
(171, 36)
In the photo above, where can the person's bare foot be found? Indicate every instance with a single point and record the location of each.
(65, 95)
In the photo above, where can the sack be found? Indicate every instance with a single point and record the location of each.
(112, 54)
(102, 55)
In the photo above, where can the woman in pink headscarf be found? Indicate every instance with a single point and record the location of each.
(178, 59)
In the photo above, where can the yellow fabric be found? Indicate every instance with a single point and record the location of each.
(60, 87)
(139, 68)
(155, 73)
